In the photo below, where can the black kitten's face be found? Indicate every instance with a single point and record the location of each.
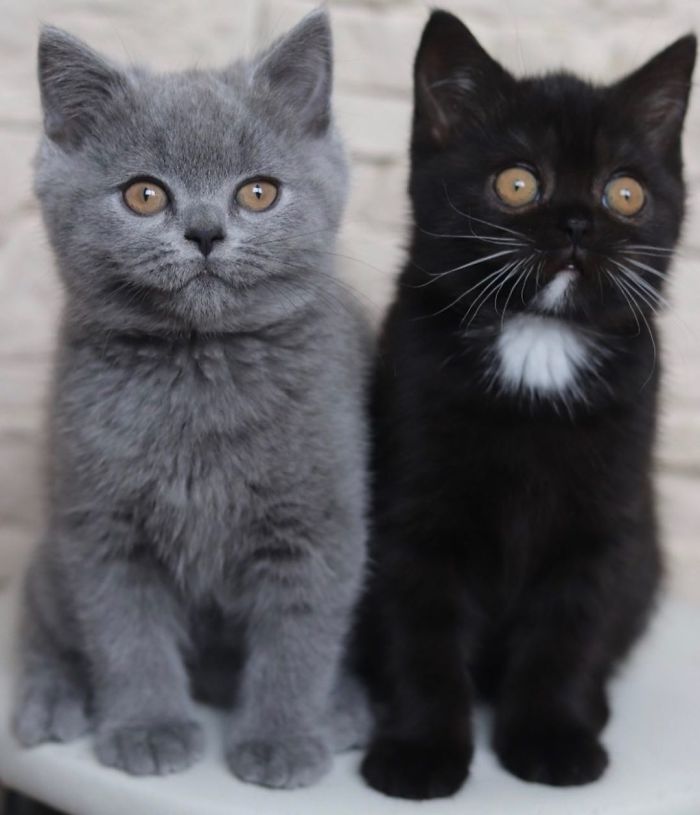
(558, 197)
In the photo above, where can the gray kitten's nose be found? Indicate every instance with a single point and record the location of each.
(205, 237)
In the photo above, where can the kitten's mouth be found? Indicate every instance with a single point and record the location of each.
(207, 277)
(570, 268)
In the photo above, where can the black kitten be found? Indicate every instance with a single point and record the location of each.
(515, 541)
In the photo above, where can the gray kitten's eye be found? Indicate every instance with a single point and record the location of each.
(625, 195)
(145, 197)
(257, 195)
(516, 187)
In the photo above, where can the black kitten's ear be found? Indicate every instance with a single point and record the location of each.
(656, 94)
(298, 70)
(455, 79)
(75, 83)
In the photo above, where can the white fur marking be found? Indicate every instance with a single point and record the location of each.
(554, 295)
(542, 354)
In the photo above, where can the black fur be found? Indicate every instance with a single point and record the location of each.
(515, 548)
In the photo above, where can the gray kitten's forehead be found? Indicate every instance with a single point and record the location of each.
(203, 129)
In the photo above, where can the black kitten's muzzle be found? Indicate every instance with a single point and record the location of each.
(569, 259)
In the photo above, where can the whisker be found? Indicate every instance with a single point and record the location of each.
(642, 285)
(641, 296)
(476, 262)
(250, 244)
(486, 238)
(616, 283)
(520, 235)
(354, 292)
(506, 273)
(649, 247)
(651, 338)
(510, 294)
(647, 268)
(524, 283)
(458, 299)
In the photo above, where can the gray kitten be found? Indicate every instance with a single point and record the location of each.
(208, 470)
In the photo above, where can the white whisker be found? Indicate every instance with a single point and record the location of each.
(461, 296)
(616, 283)
(476, 262)
(643, 287)
(508, 273)
(647, 268)
(651, 336)
(524, 272)
(499, 239)
(520, 235)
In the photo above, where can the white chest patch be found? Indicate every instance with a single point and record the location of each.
(542, 355)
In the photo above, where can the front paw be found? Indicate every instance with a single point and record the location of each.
(417, 770)
(560, 754)
(53, 713)
(158, 748)
(282, 762)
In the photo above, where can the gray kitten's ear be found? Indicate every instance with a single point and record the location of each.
(298, 70)
(76, 83)
(656, 95)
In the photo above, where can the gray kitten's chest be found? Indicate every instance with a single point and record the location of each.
(184, 443)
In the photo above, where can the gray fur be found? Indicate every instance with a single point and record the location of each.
(207, 484)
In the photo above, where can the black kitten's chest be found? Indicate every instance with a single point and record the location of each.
(525, 492)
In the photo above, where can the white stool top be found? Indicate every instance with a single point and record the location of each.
(653, 738)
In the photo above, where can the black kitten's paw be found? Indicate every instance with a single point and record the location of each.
(560, 754)
(406, 769)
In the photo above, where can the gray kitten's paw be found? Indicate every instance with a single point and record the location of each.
(285, 763)
(158, 748)
(55, 713)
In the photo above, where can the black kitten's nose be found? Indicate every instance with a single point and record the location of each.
(205, 237)
(576, 227)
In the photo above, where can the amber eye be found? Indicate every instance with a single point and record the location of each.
(257, 195)
(516, 186)
(145, 197)
(624, 195)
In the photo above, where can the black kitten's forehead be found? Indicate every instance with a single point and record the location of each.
(562, 123)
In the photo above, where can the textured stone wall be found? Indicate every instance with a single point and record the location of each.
(375, 42)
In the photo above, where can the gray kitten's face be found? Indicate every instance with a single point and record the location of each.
(183, 201)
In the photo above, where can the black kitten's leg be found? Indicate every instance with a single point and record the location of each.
(553, 702)
(422, 746)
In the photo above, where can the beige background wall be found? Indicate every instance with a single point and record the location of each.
(375, 41)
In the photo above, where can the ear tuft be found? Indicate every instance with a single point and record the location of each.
(455, 79)
(657, 93)
(298, 70)
(76, 83)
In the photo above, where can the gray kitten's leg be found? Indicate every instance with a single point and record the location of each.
(278, 737)
(53, 699)
(133, 628)
(53, 694)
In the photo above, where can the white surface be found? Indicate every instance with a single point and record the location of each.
(654, 739)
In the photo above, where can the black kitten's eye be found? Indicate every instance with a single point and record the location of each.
(625, 195)
(516, 187)
(145, 197)
(257, 195)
